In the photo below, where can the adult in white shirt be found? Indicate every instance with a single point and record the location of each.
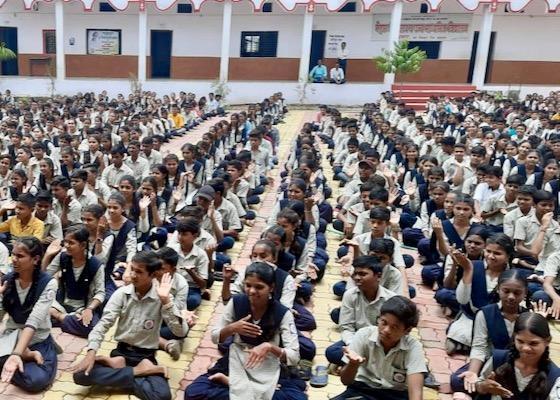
(342, 55)
(337, 75)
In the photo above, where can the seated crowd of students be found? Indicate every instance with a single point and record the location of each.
(135, 237)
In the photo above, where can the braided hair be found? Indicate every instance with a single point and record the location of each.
(33, 248)
(539, 387)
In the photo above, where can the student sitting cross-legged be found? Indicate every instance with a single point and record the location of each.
(360, 304)
(383, 362)
(28, 354)
(140, 308)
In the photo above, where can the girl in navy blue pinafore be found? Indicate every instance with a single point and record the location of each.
(522, 374)
(476, 288)
(28, 354)
(265, 348)
(492, 328)
(81, 284)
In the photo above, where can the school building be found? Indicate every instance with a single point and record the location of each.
(263, 46)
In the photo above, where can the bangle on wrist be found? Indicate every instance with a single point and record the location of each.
(15, 353)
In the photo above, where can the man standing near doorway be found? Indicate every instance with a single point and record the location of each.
(342, 56)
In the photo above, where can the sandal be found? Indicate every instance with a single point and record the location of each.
(320, 377)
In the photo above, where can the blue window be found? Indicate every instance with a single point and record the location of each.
(184, 8)
(106, 7)
(348, 7)
(259, 44)
(267, 8)
(423, 9)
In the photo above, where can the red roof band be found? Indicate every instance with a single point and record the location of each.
(291, 5)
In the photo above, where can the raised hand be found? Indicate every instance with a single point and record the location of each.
(163, 287)
(102, 226)
(54, 248)
(144, 203)
(541, 308)
(410, 189)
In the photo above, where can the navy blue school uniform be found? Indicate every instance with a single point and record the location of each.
(34, 378)
(498, 334)
(291, 386)
(433, 272)
(159, 234)
(522, 170)
(64, 169)
(78, 289)
(501, 357)
(118, 243)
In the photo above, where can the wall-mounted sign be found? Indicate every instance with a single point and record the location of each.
(333, 44)
(105, 42)
(425, 27)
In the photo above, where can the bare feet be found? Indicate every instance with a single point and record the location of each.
(147, 368)
(220, 378)
(33, 356)
(113, 362)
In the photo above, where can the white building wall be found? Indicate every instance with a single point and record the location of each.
(528, 36)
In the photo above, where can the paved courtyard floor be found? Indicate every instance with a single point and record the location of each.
(200, 353)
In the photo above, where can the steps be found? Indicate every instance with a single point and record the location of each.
(416, 96)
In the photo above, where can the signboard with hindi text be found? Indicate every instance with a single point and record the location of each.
(106, 42)
(425, 27)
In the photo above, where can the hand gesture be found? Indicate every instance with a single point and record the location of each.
(395, 217)
(190, 317)
(245, 328)
(10, 205)
(401, 170)
(436, 224)
(541, 308)
(353, 357)
(228, 272)
(153, 200)
(85, 365)
(102, 226)
(546, 220)
(313, 176)
(470, 379)
(387, 173)
(54, 248)
(163, 288)
(211, 209)
(309, 202)
(177, 195)
(144, 203)
(461, 259)
(190, 176)
(12, 364)
(490, 386)
(86, 317)
(393, 194)
(555, 310)
(410, 189)
(257, 355)
(312, 270)
(67, 201)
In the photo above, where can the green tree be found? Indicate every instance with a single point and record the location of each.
(402, 60)
(5, 53)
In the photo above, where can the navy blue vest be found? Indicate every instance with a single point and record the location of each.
(275, 310)
(118, 243)
(286, 260)
(501, 357)
(522, 170)
(64, 169)
(496, 326)
(20, 312)
(479, 294)
(69, 287)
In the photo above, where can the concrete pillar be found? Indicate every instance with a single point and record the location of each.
(483, 47)
(226, 33)
(394, 34)
(142, 44)
(306, 46)
(59, 26)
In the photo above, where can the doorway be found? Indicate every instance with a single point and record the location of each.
(473, 56)
(318, 40)
(160, 50)
(8, 35)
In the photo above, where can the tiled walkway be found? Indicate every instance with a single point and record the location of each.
(200, 353)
